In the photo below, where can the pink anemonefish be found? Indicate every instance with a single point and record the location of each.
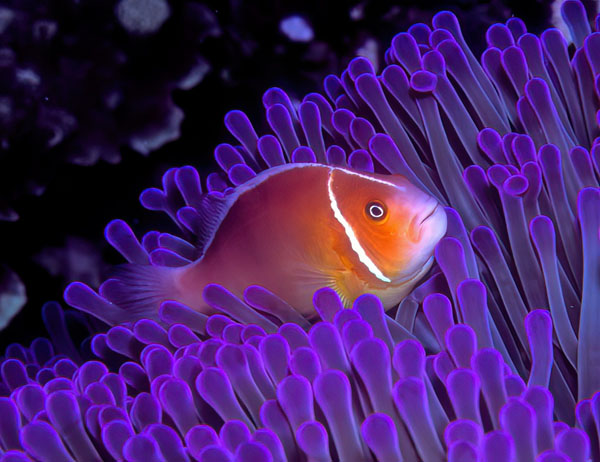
(296, 228)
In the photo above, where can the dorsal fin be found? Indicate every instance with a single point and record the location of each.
(212, 211)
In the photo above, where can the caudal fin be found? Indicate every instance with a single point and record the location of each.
(140, 288)
(134, 292)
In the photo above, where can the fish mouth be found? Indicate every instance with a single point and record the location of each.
(429, 213)
(424, 222)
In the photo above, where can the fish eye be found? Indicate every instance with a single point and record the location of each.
(376, 210)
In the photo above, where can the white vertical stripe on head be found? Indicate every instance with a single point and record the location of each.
(360, 252)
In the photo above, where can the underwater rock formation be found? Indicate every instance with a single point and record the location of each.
(76, 88)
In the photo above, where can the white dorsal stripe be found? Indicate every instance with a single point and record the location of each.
(360, 252)
(374, 180)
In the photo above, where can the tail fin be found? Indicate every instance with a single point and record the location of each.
(140, 289)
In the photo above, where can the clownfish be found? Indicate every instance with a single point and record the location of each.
(296, 228)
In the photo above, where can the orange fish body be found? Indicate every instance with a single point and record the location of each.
(296, 228)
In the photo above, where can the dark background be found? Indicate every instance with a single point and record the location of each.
(63, 206)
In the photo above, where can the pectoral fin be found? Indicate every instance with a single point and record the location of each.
(348, 286)
(343, 281)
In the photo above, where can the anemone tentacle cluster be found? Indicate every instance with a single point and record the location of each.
(349, 389)
(483, 356)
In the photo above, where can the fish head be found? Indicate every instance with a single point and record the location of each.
(393, 225)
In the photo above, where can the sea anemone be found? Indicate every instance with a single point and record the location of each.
(475, 364)
(88, 82)
(349, 389)
(444, 121)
